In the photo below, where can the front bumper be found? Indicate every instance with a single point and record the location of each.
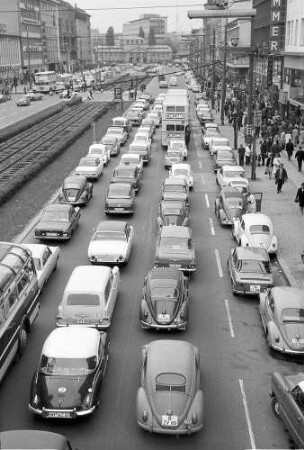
(170, 326)
(119, 210)
(183, 429)
(61, 413)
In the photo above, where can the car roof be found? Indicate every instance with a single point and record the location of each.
(164, 273)
(175, 230)
(256, 219)
(112, 225)
(130, 154)
(173, 203)
(32, 439)
(256, 253)
(174, 181)
(181, 166)
(288, 297)
(88, 278)
(37, 249)
(125, 167)
(78, 180)
(233, 168)
(72, 342)
(127, 186)
(109, 137)
(58, 207)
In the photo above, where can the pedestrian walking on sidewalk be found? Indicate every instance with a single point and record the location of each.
(268, 169)
(300, 198)
(263, 150)
(241, 152)
(276, 164)
(299, 157)
(289, 149)
(280, 177)
(247, 155)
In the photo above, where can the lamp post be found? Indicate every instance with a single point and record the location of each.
(28, 57)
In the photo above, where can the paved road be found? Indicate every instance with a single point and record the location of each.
(235, 363)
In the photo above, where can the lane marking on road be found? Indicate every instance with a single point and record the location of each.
(200, 164)
(207, 200)
(218, 262)
(203, 178)
(248, 420)
(211, 227)
(229, 318)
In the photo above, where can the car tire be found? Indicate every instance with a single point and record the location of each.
(22, 342)
(275, 406)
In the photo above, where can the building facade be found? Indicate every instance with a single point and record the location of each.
(145, 22)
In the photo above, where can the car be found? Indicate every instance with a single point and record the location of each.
(101, 151)
(249, 269)
(173, 156)
(34, 96)
(134, 117)
(119, 133)
(232, 204)
(282, 317)
(91, 167)
(112, 144)
(111, 242)
(140, 110)
(122, 122)
(23, 101)
(89, 297)
(174, 248)
(142, 150)
(143, 103)
(223, 157)
(155, 117)
(225, 173)
(255, 230)
(57, 222)
(127, 174)
(175, 144)
(169, 399)
(45, 259)
(287, 401)
(182, 170)
(163, 84)
(194, 87)
(34, 440)
(172, 212)
(201, 108)
(76, 190)
(165, 300)
(173, 81)
(132, 159)
(158, 109)
(120, 198)
(148, 122)
(148, 129)
(208, 137)
(218, 143)
(173, 188)
(66, 383)
(205, 116)
(142, 138)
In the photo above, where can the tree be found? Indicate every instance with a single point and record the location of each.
(110, 37)
(141, 32)
(151, 40)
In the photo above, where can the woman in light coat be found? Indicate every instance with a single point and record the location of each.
(276, 164)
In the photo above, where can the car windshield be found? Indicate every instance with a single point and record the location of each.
(109, 236)
(232, 173)
(89, 162)
(172, 382)
(174, 153)
(55, 216)
(259, 229)
(67, 366)
(174, 243)
(82, 300)
(164, 291)
(177, 172)
(172, 211)
(175, 188)
(253, 266)
(124, 174)
(119, 192)
(38, 264)
(235, 203)
(107, 141)
(72, 192)
(293, 315)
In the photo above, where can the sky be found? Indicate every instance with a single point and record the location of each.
(106, 13)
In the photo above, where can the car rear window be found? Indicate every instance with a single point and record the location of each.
(172, 382)
(82, 300)
(259, 229)
(67, 366)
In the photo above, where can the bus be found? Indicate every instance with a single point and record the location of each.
(45, 81)
(175, 115)
(19, 303)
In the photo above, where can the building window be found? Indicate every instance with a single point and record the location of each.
(302, 32)
(291, 32)
(296, 32)
(288, 33)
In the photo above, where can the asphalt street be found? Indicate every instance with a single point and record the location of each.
(235, 363)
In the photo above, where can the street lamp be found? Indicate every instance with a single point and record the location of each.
(28, 57)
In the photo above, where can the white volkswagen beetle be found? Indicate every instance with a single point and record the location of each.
(182, 170)
(255, 230)
(227, 173)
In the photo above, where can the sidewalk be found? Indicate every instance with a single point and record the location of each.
(285, 213)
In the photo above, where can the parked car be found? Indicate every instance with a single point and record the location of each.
(208, 137)
(147, 129)
(182, 170)
(34, 440)
(75, 190)
(122, 122)
(249, 269)
(172, 157)
(111, 242)
(119, 133)
(175, 189)
(287, 401)
(101, 151)
(112, 144)
(215, 142)
(282, 317)
(142, 138)
(132, 159)
(57, 222)
(163, 84)
(178, 144)
(255, 230)
(34, 96)
(89, 297)
(230, 205)
(155, 117)
(127, 174)
(172, 212)
(142, 150)
(165, 300)
(174, 248)
(23, 101)
(226, 173)
(90, 166)
(205, 116)
(134, 117)
(69, 374)
(120, 198)
(170, 370)
(223, 158)
(45, 260)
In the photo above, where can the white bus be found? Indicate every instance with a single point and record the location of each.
(175, 115)
(45, 81)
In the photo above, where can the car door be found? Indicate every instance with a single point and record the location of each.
(129, 237)
(110, 294)
(268, 312)
(232, 262)
(291, 412)
(46, 264)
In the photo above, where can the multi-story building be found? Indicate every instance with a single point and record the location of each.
(83, 38)
(10, 49)
(145, 22)
(49, 16)
(67, 37)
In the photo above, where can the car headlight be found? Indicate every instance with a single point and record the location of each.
(88, 399)
(145, 415)
(36, 400)
(121, 258)
(65, 233)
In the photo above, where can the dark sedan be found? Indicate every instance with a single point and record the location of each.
(230, 204)
(223, 157)
(165, 300)
(69, 374)
(127, 174)
(120, 199)
(76, 190)
(57, 222)
(172, 212)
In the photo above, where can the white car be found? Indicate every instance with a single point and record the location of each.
(255, 230)
(91, 167)
(155, 117)
(45, 260)
(178, 144)
(207, 138)
(102, 151)
(132, 159)
(111, 242)
(210, 126)
(218, 141)
(142, 138)
(226, 173)
(158, 109)
(182, 170)
(118, 132)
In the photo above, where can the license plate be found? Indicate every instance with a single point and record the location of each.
(169, 421)
(51, 234)
(175, 265)
(59, 415)
(163, 317)
(119, 209)
(83, 321)
(255, 288)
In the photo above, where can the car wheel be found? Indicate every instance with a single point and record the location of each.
(275, 407)
(22, 342)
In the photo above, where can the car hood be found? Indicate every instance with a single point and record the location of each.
(163, 310)
(76, 389)
(52, 226)
(108, 248)
(293, 335)
(173, 219)
(260, 240)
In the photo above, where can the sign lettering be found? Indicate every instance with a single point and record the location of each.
(277, 25)
(175, 115)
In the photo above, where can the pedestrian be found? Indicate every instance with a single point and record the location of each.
(300, 198)
(288, 137)
(295, 135)
(241, 152)
(268, 169)
(263, 150)
(280, 177)
(91, 94)
(289, 149)
(247, 155)
(299, 157)
(275, 164)
(187, 135)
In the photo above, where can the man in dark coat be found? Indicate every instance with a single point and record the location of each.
(289, 149)
(264, 151)
(187, 134)
(299, 157)
(300, 198)
(280, 177)
(241, 152)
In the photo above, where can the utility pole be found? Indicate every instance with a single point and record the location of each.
(249, 113)
(223, 94)
(28, 57)
(213, 68)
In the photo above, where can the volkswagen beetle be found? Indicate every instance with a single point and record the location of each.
(172, 212)
(229, 205)
(76, 190)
